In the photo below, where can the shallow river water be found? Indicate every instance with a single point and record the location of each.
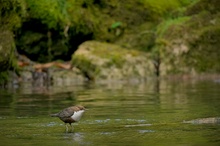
(148, 113)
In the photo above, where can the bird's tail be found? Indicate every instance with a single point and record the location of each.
(54, 115)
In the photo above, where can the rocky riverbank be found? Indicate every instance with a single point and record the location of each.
(155, 39)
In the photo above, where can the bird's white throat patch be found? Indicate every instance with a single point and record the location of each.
(77, 115)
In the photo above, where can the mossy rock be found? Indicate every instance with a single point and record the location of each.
(6, 41)
(11, 13)
(88, 69)
(7, 56)
(105, 61)
(190, 44)
(205, 50)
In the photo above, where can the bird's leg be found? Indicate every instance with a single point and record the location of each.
(71, 128)
(66, 127)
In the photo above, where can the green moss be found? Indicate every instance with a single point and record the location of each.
(3, 77)
(190, 43)
(105, 60)
(117, 61)
(205, 50)
(8, 63)
(113, 53)
(11, 13)
(161, 8)
(75, 21)
(88, 69)
(50, 12)
(204, 44)
(100, 18)
(201, 5)
(7, 57)
(162, 29)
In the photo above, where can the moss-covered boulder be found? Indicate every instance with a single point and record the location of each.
(6, 49)
(105, 61)
(190, 44)
(6, 53)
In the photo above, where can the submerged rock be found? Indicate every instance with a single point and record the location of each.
(105, 61)
(212, 120)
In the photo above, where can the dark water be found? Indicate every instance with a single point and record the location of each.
(149, 113)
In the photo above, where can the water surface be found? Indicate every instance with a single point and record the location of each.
(147, 113)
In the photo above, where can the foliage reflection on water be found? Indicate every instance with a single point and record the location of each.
(146, 113)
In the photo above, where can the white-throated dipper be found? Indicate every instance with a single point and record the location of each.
(70, 115)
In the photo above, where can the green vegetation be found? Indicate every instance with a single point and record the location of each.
(11, 13)
(190, 43)
(179, 34)
(162, 28)
(50, 12)
(66, 24)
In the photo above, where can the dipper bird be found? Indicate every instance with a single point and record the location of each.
(70, 115)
